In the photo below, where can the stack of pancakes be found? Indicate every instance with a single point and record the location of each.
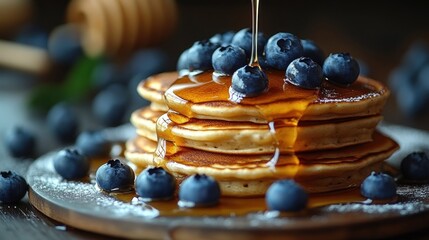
(325, 139)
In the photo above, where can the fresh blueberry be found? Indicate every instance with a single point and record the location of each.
(110, 105)
(249, 81)
(64, 44)
(378, 186)
(63, 122)
(226, 60)
(415, 166)
(20, 142)
(199, 190)
(243, 39)
(416, 56)
(32, 35)
(92, 143)
(183, 63)
(200, 55)
(223, 39)
(147, 62)
(287, 196)
(312, 51)
(155, 183)
(341, 68)
(282, 49)
(399, 77)
(422, 80)
(114, 176)
(263, 62)
(71, 164)
(13, 187)
(107, 73)
(411, 100)
(304, 72)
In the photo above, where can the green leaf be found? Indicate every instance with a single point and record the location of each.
(77, 85)
(79, 80)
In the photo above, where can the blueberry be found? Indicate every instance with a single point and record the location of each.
(249, 81)
(199, 190)
(63, 122)
(286, 195)
(223, 39)
(92, 143)
(155, 183)
(110, 105)
(282, 49)
(33, 35)
(411, 100)
(415, 166)
(304, 72)
(399, 77)
(64, 44)
(378, 186)
(341, 68)
(243, 39)
(13, 187)
(20, 142)
(226, 60)
(200, 55)
(107, 73)
(147, 62)
(263, 62)
(71, 164)
(311, 50)
(416, 56)
(183, 63)
(114, 176)
(422, 80)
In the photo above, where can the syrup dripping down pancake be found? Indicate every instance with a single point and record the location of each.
(206, 97)
(253, 138)
(245, 175)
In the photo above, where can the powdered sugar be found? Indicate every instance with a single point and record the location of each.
(84, 196)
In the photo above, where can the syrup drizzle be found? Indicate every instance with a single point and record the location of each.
(204, 88)
(255, 20)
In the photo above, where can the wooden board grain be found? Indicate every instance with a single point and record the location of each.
(83, 206)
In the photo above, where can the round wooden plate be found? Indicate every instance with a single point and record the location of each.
(83, 206)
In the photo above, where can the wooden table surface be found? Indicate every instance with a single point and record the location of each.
(22, 221)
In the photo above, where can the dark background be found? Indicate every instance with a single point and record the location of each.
(377, 32)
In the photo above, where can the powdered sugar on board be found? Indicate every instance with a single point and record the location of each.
(85, 199)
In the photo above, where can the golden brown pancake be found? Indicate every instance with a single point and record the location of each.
(205, 97)
(324, 139)
(154, 87)
(251, 138)
(250, 175)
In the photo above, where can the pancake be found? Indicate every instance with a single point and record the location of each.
(205, 97)
(154, 87)
(253, 138)
(144, 120)
(325, 139)
(244, 175)
(249, 138)
(140, 151)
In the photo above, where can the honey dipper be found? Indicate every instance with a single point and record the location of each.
(118, 27)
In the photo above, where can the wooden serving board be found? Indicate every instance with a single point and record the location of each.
(81, 205)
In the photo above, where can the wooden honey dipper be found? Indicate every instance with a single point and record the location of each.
(118, 27)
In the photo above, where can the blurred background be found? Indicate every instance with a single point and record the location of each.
(43, 60)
